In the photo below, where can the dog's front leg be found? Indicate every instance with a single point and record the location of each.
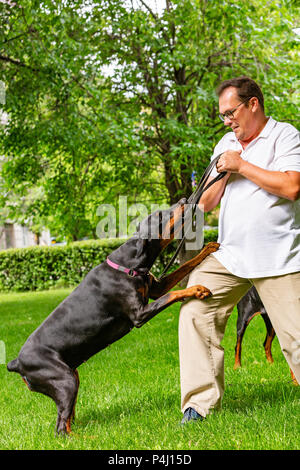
(152, 309)
(161, 287)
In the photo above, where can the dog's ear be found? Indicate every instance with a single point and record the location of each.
(141, 245)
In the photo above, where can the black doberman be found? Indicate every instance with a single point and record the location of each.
(107, 304)
(248, 307)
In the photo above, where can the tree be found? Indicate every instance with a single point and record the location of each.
(84, 137)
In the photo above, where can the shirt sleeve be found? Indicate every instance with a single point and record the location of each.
(287, 150)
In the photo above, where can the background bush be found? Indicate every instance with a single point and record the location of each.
(43, 267)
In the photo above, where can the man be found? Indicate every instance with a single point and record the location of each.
(259, 233)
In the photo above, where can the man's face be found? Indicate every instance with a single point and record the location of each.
(243, 122)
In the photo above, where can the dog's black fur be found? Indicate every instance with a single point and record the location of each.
(248, 307)
(104, 307)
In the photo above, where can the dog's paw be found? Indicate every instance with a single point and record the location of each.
(212, 247)
(202, 292)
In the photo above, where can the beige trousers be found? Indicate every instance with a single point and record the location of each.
(202, 325)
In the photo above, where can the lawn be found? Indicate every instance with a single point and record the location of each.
(129, 396)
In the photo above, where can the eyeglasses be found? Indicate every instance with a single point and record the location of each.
(229, 114)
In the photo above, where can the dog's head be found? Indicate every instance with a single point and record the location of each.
(157, 230)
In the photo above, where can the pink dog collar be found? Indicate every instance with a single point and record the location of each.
(118, 267)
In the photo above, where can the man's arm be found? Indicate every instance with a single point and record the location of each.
(283, 184)
(211, 198)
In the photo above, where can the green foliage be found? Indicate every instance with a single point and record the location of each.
(40, 267)
(82, 137)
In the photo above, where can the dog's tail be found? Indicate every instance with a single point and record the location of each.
(13, 366)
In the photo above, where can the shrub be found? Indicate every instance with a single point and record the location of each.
(43, 267)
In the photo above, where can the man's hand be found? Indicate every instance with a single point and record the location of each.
(230, 161)
(285, 184)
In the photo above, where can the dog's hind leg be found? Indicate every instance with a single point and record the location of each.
(269, 337)
(294, 380)
(64, 393)
(55, 379)
(241, 328)
(78, 382)
(238, 349)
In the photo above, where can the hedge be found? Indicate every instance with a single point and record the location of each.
(43, 267)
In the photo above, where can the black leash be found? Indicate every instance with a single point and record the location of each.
(194, 199)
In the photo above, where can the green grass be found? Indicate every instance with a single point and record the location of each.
(129, 396)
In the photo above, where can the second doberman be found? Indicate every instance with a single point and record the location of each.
(249, 307)
(111, 300)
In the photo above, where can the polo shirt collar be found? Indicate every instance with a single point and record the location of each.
(271, 123)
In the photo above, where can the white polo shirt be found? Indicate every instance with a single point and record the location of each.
(259, 233)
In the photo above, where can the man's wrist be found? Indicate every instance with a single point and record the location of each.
(243, 167)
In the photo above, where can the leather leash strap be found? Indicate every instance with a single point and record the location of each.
(194, 199)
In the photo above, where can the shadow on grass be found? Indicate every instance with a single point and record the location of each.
(130, 408)
(249, 395)
(258, 397)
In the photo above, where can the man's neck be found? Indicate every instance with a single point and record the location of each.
(256, 133)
